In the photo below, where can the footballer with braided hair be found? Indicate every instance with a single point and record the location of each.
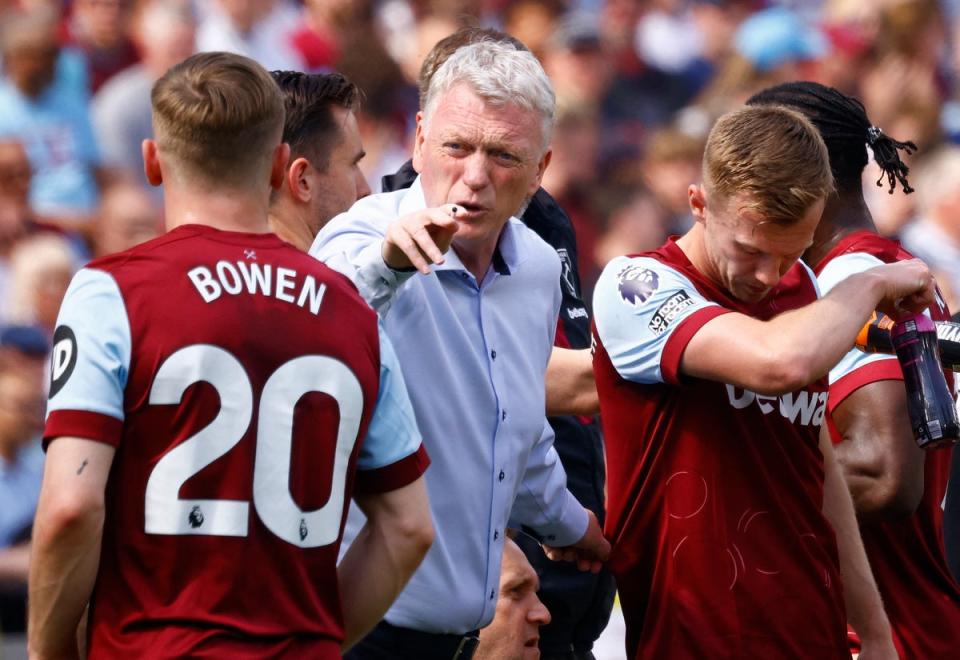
(896, 487)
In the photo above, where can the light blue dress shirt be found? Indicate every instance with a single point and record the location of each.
(474, 358)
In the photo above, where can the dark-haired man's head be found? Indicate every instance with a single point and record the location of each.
(846, 130)
(323, 177)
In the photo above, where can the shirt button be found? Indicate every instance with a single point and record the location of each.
(501, 475)
(503, 415)
(496, 535)
(492, 595)
(493, 355)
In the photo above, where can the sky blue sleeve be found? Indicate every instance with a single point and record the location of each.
(638, 303)
(90, 360)
(393, 433)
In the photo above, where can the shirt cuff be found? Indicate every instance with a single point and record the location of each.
(871, 372)
(570, 527)
(83, 424)
(681, 336)
(394, 476)
(376, 281)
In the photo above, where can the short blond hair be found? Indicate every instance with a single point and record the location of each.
(219, 116)
(771, 154)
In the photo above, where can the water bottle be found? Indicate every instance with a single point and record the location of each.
(874, 337)
(929, 403)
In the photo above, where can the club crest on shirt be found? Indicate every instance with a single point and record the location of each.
(63, 358)
(566, 272)
(637, 284)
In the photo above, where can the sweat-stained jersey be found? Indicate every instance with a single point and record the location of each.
(920, 596)
(248, 394)
(714, 493)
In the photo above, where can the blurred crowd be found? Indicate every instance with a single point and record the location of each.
(638, 84)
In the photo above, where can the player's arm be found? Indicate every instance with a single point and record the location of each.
(797, 347)
(864, 607)
(66, 543)
(881, 461)
(391, 492)
(571, 389)
(382, 558)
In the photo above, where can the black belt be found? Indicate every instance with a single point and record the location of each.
(432, 645)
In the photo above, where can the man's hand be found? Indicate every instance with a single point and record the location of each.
(420, 238)
(589, 552)
(908, 287)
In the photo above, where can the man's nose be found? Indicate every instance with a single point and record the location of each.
(539, 614)
(476, 173)
(363, 188)
(768, 272)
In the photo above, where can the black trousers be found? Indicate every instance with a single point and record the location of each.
(389, 642)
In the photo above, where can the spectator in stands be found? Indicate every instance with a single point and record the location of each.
(259, 29)
(17, 220)
(50, 116)
(21, 469)
(40, 271)
(15, 177)
(935, 235)
(99, 30)
(24, 350)
(164, 31)
(128, 216)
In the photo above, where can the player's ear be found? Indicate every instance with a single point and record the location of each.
(281, 154)
(698, 202)
(298, 182)
(541, 168)
(418, 144)
(151, 162)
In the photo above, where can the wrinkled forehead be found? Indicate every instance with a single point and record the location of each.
(462, 111)
(517, 573)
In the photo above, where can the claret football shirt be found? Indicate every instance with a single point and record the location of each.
(920, 596)
(720, 548)
(248, 393)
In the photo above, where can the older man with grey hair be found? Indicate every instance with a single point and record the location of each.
(474, 331)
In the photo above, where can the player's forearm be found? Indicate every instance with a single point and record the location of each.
(383, 556)
(862, 599)
(797, 347)
(571, 389)
(63, 568)
(372, 574)
(818, 335)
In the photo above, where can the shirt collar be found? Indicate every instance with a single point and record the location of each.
(506, 257)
